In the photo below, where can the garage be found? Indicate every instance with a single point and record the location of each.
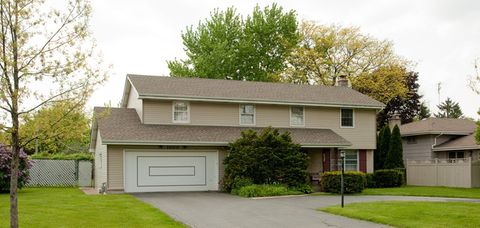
(169, 171)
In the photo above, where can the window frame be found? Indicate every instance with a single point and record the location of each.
(353, 118)
(188, 112)
(240, 115)
(290, 116)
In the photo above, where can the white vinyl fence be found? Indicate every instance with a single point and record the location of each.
(46, 173)
(444, 172)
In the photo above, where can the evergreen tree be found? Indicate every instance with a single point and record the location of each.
(424, 112)
(394, 157)
(384, 146)
(449, 109)
(378, 159)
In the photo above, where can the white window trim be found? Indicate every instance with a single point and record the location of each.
(353, 118)
(173, 112)
(240, 115)
(358, 160)
(290, 117)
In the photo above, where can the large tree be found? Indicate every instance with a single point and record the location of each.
(449, 109)
(424, 112)
(475, 86)
(408, 107)
(54, 132)
(46, 56)
(227, 47)
(394, 157)
(326, 52)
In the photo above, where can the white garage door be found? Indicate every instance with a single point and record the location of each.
(168, 171)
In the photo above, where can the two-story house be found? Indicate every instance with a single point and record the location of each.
(172, 134)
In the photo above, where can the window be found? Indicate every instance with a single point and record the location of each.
(351, 160)
(456, 155)
(247, 114)
(347, 118)
(181, 112)
(411, 140)
(297, 116)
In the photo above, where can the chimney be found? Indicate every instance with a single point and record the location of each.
(342, 81)
(394, 120)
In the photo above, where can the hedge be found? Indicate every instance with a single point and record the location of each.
(388, 178)
(85, 156)
(331, 182)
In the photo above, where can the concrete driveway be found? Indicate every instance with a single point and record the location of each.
(213, 209)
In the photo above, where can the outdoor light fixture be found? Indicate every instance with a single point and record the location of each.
(342, 156)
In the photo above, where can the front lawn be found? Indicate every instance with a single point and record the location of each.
(425, 191)
(70, 207)
(413, 214)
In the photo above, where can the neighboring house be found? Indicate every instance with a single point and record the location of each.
(439, 138)
(172, 134)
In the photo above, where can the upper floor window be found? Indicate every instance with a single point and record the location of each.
(181, 112)
(347, 118)
(247, 114)
(297, 116)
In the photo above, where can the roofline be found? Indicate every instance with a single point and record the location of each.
(253, 101)
(456, 148)
(436, 133)
(202, 143)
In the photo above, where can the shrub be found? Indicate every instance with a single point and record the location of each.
(304, 188)
(240, 182)
(394, 157)
(5, 172)
(62, 156)
(331, 182)
(387, 178)
(265, 158)
(370, 180)
(263, 190)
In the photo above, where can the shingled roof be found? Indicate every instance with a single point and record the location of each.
(438, 126)
(463, 143)
(158, 87)
(123, 126)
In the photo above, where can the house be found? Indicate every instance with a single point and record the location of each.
(439, 138)
(172, 134)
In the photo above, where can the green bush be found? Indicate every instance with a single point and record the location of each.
(265, 158)
(388, 178)
(5, 168)
(240, 182)
(304, 188)
(263, 190)
(331, 182)
(370, 180)
(61, 156)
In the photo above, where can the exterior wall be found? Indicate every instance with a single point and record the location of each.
(115, 163)
(362, 135)
(315, 164)
(420, 150)
(100, 162)
(134, 102)
(474, 154)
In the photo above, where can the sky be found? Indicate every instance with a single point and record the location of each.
(442, 37)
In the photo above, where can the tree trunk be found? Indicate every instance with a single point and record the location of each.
(14, 172)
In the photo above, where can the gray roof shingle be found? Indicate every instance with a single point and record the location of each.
(461, 143)
(123, 126)
(232, 90)
(437, 126)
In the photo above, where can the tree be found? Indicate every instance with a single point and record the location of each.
(228, 47)
(408, 107)
(394, 157)
(449, 109)
(59, 132)
(475, 86)
(424, 112)
(47, 55)
(384, 146)
(326, 52)
(265, 158)
(378, 155)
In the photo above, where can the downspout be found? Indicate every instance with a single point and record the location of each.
(435, 140)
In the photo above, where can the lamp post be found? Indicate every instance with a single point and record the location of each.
(342, 156)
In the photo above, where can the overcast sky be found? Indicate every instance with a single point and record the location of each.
(442, 37)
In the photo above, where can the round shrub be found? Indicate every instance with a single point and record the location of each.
(388, 178)
(265, 158)
(331, 182)
(370, 180)
(5, 172)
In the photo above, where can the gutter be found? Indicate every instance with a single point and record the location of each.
(435, 142)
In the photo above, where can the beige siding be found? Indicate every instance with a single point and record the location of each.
(420, 149)
(134, 102)
(362, 136)
(100, 162)
(115, 162)
(370, 161)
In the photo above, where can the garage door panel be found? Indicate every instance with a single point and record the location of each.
(171, 171)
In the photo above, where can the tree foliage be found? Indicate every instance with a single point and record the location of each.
(449, 109)
(394, 157)
(6, 171)
(326, 52)
(424, 112)
(227, 47)
(55, 132)
(408, 107)
(47, 55)
(265, 158)
(382, 148)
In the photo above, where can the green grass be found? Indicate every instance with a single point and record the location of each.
(413, 214)
(263, 190)
(70, 207)
(425, 191)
